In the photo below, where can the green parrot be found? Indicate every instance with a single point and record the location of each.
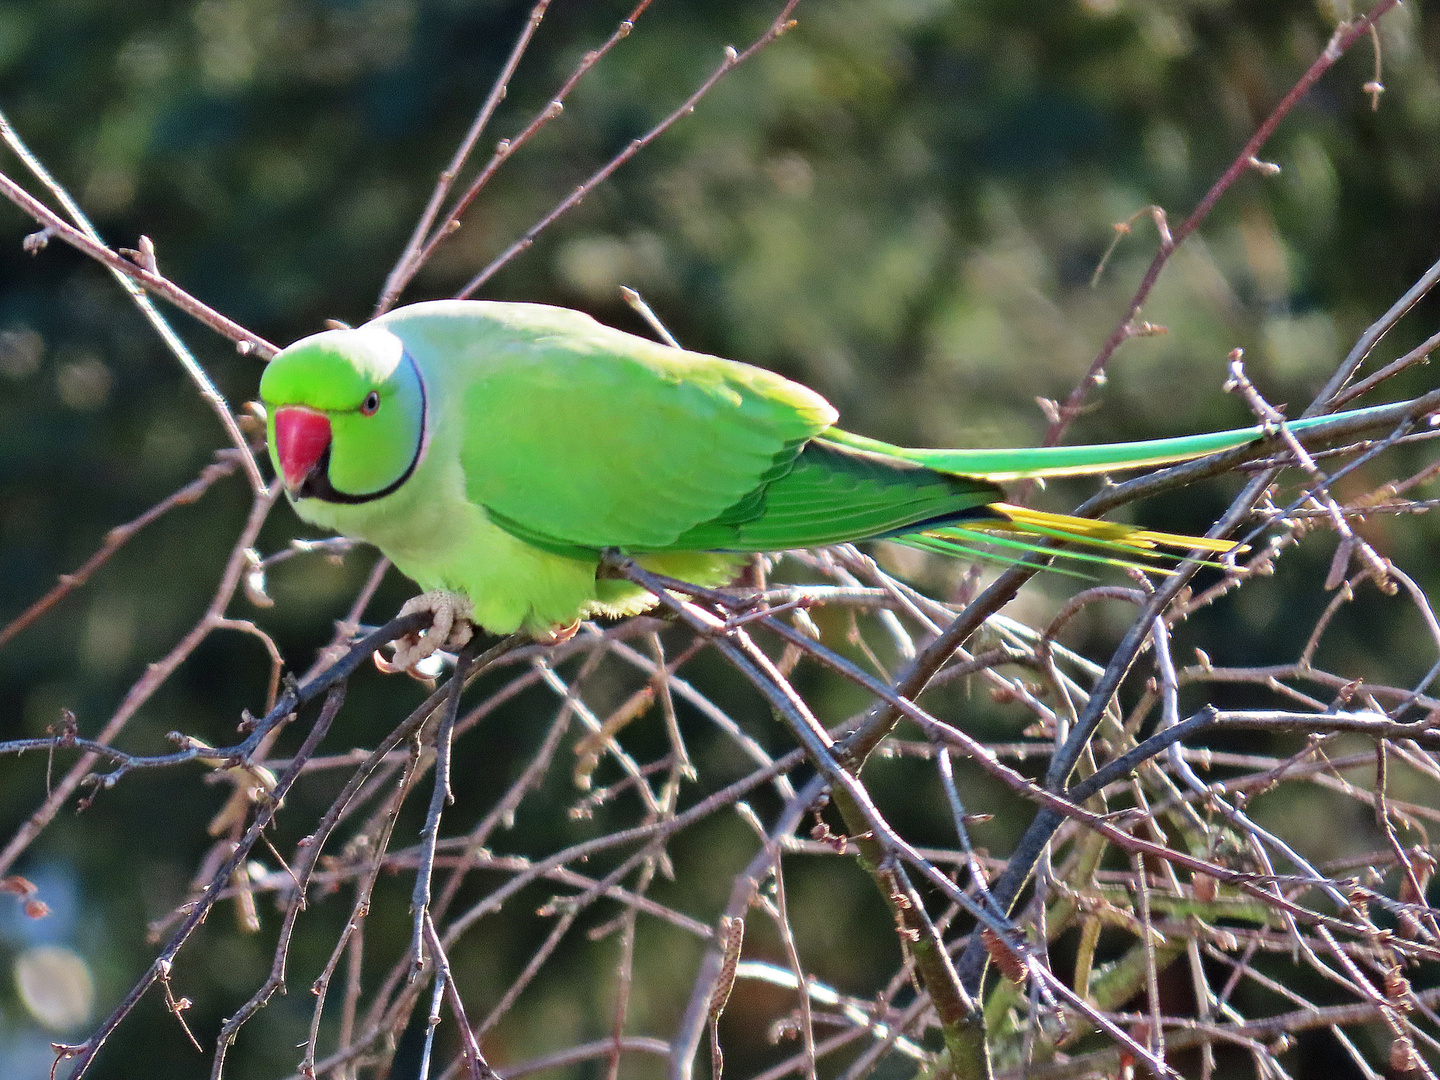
(494, 451)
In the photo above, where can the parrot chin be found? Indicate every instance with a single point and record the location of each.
(302, 443)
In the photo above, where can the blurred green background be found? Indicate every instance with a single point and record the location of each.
(900, 203)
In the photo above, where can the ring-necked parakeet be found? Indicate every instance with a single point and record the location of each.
(495, 450)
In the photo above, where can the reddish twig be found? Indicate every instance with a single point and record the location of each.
(1344, 37)
(411, 260)
(58, 228)
(424, 242)
(154, 677)
(84, 1053)
(733, 59)
(116, 538)
(146, 258)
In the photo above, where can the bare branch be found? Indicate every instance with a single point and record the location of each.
(162, 287)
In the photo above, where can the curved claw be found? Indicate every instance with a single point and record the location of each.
(450, 629)
(557, 634)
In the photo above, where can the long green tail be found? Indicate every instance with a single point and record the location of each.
(1042, 461)
(834, 493)
(842, 487)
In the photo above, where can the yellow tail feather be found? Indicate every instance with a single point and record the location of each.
(1089, 530)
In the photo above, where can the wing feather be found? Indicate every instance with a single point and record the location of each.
(834, 494)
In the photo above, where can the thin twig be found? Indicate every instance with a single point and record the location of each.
(84, 1053)
(224, 464)
(732, 60)
(410, 260)
(198, 376)
(507, 147)
(1344, 37)
(57, 227)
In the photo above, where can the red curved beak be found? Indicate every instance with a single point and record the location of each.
(301, 438)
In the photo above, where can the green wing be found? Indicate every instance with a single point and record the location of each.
(577, 434)
(833, 494)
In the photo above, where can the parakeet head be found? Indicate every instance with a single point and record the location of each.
(345, 415)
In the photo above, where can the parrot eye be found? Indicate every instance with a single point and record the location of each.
(370, 404)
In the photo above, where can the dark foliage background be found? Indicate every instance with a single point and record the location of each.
(901, 203)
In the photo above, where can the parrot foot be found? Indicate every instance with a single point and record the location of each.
(450, 629)
(557, 634)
